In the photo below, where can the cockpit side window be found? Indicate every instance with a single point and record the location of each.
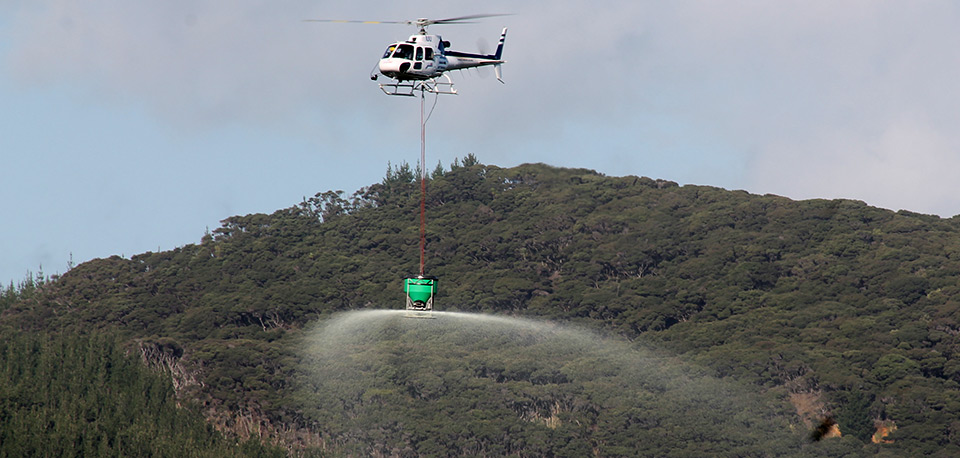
(419, 53)
(404, 51)
(389, 51)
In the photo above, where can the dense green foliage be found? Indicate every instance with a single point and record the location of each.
(84, 396)
(841, 308)
(22, 290)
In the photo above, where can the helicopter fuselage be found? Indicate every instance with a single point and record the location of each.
(424, 57)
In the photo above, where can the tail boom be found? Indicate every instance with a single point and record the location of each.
(460, 60)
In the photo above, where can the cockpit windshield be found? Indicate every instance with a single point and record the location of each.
(404, 51)
(389, 51)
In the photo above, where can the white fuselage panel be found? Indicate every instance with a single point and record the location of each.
(423, 57)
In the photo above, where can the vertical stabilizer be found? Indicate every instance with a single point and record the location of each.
(503, 36)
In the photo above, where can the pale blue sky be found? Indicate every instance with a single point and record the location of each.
(128, 127)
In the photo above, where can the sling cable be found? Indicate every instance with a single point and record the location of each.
(421, 290)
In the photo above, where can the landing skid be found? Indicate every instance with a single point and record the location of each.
(442, 85)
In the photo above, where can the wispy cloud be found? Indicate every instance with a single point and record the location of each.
(814, 98)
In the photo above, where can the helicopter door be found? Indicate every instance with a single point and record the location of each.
(418, 65)
(428, 59)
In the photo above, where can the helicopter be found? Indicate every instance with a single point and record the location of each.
(421, 62)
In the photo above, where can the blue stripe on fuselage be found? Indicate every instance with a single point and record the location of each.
(466, 54)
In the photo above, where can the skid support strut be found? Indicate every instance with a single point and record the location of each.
(440, 85)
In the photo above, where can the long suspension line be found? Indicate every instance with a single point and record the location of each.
(423, 185)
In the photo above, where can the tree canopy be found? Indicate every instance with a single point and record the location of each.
(827, 307)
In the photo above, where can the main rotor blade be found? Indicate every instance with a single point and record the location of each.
(464, 18)
(422, 22)
(347, 21)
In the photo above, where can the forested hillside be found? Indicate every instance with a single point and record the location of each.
(83, 396)
(830, 308)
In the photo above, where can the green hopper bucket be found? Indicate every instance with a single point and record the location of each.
(420, 292)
